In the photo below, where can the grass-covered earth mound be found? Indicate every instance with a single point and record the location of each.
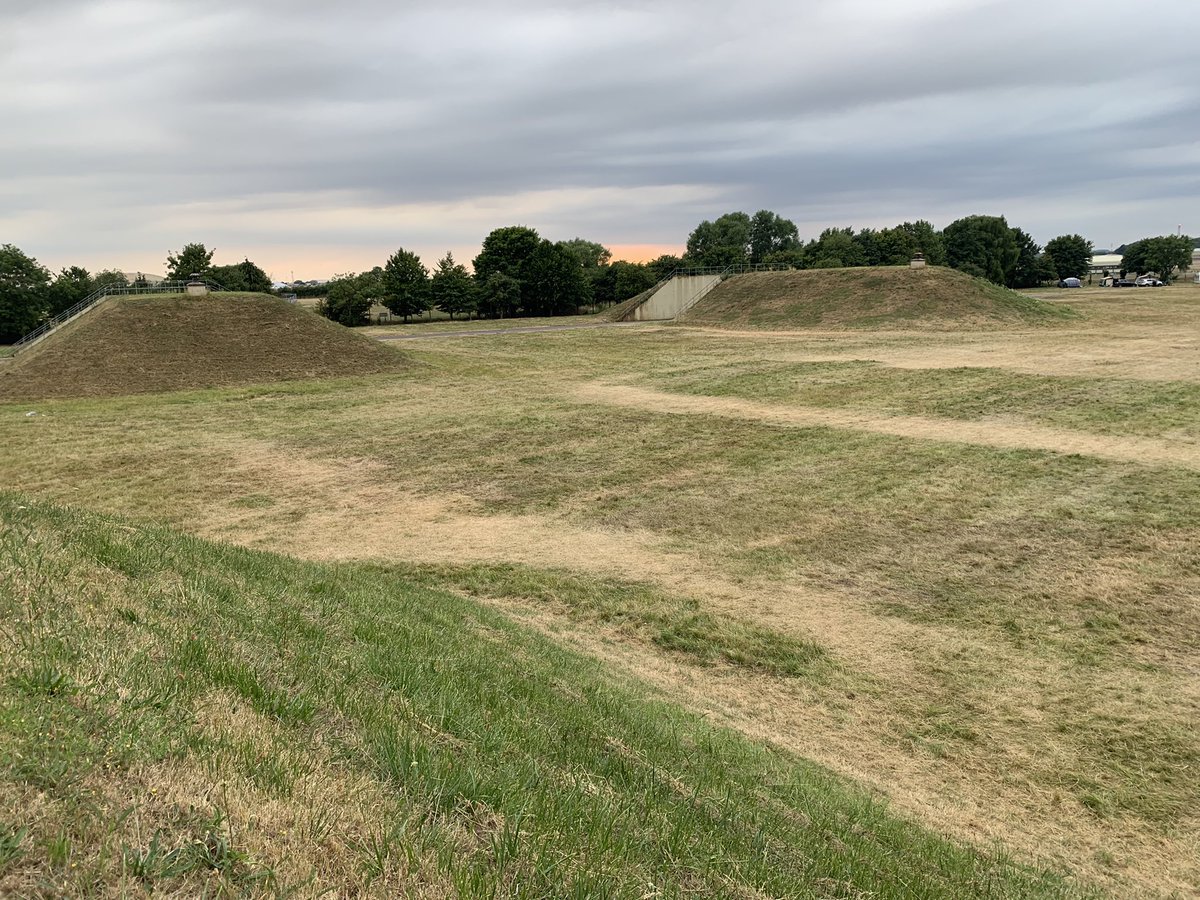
(871, 297)
(183, 718)
(148, 344)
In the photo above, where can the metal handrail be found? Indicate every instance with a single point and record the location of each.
(161, 287)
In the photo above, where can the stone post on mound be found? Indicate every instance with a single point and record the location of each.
(918, 261)
(196, 286)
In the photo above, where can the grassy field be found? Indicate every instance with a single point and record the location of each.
(182, 718)
(958, 568)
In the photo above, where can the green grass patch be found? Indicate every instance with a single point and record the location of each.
(496, 762)
(1102, 405)
(679, 625)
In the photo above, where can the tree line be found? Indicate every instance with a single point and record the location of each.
(519, 273)
(984, 246)
(516, 273)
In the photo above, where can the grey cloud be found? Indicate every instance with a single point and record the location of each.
(850, 107)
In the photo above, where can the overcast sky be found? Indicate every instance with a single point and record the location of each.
(317, 137)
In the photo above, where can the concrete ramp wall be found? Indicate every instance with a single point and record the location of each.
(673, 298)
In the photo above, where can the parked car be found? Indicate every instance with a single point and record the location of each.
(1149, 282)
(1070, 282)
(1122, 282)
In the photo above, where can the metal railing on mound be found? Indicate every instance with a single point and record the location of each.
(161, 287)
(734, 269)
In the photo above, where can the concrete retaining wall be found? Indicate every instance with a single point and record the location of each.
(673, 298)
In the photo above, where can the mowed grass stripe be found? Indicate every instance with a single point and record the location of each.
(1120, 406)
(988, 434)
(483, 759)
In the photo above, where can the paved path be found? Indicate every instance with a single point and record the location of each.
(482, 331)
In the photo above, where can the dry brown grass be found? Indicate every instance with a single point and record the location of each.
(1001, 723)
(1010, 436)
(873, 297)
(138, 345)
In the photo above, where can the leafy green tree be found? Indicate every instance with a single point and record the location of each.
(109, 278)
(631, 279)
(24, 293)
(1161, 255)
(984, 243)
(499, 295)
(71, 286)
(405, 284)
(900, 244)
(348, 298)
(254, 278)
(1071, 255)
(836, 247)
(192, 259)
(243, 276)
(590, 254)
(769, 234)
(1024, 272)
(451, 287)
(870, 246)
(553, 283)
(1047, 269)
(663, 266)
(505, 251)
(723, 242)
(794, 258)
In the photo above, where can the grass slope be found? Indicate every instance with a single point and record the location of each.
(155, 343)
(182, 717)
(875, 297)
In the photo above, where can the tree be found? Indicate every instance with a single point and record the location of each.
(505, 251)
(70, 286)
(984, 244)
(926, 240)
(721, 243)
(253, 278)
(663, 266)
(630, 279)
(243, 276)
(192, 259)
(1071, 255)
(1047, 269)
(836, 247)
(109, 278)
(499, 295)
(451, 289)
(1161, 255)
(1024, 272)
(24, 293)
(590, 254)
(348, 298)
(896, 246)
(770, 234)
(405, 284)
(553, 283)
